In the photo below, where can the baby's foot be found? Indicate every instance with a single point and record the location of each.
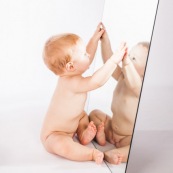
(88, 134)
(113, 157)
(98, 156)
(100, 135)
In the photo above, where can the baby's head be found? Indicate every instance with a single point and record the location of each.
(64, 53)
(138, 55)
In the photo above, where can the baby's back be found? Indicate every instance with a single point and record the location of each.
(64, 111)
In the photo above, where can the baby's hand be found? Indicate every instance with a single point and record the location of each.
(99, 32)
(104, 36)
(119, 54)
(126, 60)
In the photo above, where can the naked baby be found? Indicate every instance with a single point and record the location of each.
(118, 128)
(68, 57)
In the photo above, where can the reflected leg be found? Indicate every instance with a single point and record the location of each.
(86, 130)
(124, 142)
(117, 155)
(100, 120)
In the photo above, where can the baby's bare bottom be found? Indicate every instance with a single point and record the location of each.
(62, 143)
(122, 143)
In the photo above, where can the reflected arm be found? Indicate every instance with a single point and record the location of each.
(107, 53)
(131, 76)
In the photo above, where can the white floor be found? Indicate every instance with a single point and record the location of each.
(21, 149)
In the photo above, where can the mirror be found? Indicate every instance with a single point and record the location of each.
(154, 122)
(131, 21)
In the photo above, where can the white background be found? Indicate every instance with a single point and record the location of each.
(26, 25)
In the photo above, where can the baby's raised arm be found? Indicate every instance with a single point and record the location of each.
(93, 42)
(106, 49)
(101, 75)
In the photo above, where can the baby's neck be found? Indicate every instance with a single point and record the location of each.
(70, 74)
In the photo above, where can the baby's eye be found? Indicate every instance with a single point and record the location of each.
(133, 58)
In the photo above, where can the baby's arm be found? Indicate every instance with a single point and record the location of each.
(107, 53)
(81, 84)
(132, 78)
(93, 42)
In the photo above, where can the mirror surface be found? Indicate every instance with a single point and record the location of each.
(131, 21)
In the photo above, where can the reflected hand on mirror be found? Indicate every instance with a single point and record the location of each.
(99, 32)
(104, 37)
(121, 52)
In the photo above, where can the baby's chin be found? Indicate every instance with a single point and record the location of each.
(141, 74)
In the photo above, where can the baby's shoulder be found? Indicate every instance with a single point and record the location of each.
(70, 82)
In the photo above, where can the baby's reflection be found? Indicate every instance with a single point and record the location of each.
(118, 129)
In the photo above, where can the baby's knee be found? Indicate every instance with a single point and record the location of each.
(94, 113)
(56, 146)
(124, 142)
(98, 116)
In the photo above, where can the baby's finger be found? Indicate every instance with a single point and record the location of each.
(100, 27)
(125, 48)
(123, 51)
(103, 25)
(100, 33)
(122, 46)
(125, 54)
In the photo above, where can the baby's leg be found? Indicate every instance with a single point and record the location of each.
(86, 130)
(100, 120)
(63, 145)
(124, 142)
(116, 156)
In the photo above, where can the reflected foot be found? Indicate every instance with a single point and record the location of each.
(98, 156)
(88, 134)
(100, 136)
(113, 157)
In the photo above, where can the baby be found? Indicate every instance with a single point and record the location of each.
(67, 56)
(118, 129)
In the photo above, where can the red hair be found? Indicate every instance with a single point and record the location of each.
(57, 53)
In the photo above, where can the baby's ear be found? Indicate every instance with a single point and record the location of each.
(70, 67)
